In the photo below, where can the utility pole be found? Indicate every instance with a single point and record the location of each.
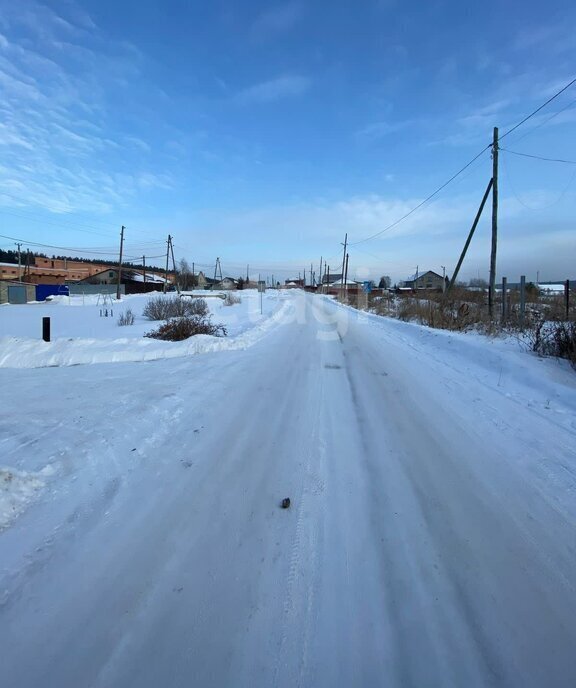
(443, 278)
(311, 278)
(218, 269)
(470, 235)
(168, 241)
(522, 299)
(247, 273)
(19, 263)
(320, 274)
(492, 288)
(346, 276)
(144, 268)
(343, 263)
(120, 264)
(174, 266)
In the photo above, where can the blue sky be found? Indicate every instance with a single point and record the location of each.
(261, 132)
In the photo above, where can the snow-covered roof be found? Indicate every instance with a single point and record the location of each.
(150, 277)
(415, 276)
(556, 288)
(339, 282)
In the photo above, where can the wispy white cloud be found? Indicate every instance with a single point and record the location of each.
(54, 107)
(286, 86)
(430, 238)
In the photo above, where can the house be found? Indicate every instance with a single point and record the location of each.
(227, 283)
(426, 280)
(211, 283)
(132, 280)
(294, 283)
(41, 275)
(206, 282)
(108, 276)
(330, 278)
(9, 271)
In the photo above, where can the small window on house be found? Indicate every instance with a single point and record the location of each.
(110, 274)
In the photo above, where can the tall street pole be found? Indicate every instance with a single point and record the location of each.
(120, 264)
(492, 287)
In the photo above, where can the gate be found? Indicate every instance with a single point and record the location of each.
(17, 293)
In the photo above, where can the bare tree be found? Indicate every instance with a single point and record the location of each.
(187, 279)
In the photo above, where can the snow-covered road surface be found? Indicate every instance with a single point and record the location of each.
(431, 539)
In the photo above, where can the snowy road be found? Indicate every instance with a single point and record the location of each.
(431, 539)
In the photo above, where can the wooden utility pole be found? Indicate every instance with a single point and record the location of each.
(492, 287)
(120, 264)
(346, 276)
(144, 268)
(19, 263)
(471, 233)
(311, 278)
(343, 263)
(168, 241)
(522, 299)
(174, 266)
(320, 274)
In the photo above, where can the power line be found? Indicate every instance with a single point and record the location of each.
(65, 212)
(537, 157)
(428, 198)
(529, 207)
(538, 109)
(33, 218)
(466, 166)
(102, 251)
(546, 121)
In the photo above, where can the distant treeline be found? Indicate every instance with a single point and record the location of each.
(10, 256)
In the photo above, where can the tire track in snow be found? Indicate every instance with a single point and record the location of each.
(292, 661)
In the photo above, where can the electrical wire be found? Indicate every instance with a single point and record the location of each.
(462, 169)
(428, 198)
(571, 83)
(537, 157)
(60, 248)
(544, 207)
(546, 121)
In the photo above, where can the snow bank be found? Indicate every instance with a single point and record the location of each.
(17, 490)
(18, 352)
